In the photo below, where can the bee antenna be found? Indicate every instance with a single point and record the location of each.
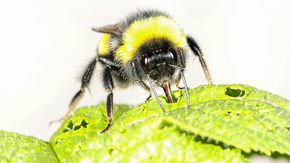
(186, 89)
(155, 94)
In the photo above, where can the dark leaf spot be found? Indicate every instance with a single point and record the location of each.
(234, 92)
(113, 150)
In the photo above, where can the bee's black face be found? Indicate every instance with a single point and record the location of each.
(159, 62)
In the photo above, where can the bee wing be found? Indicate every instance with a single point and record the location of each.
(110, 29)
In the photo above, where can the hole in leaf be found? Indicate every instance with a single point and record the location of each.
(71, 127)
(233, 115)
(234, 92)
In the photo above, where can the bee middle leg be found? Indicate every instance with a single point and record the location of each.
(109, 86)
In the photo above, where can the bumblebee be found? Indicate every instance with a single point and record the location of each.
(148, 47)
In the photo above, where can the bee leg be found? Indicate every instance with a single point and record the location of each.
(178, 82)
(109, 112)
(197, 51)
(109, 86)
(179, 87)
(155, 94)
(147, 88)
(186, 89)
(136, 73)
(79, 95)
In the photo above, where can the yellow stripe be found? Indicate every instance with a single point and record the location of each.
(103, 47)
(143, 30)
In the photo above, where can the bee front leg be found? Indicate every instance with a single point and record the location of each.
(109, 86)
(79, 95)
(136, 72)
(147, 88)
(178, 83)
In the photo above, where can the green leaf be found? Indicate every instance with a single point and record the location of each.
(222, 122)
(152, 140)
(18, 148)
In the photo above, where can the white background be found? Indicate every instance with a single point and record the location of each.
(45, 46)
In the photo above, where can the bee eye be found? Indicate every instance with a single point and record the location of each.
(144, 63)
(145, 60)
(173, 54)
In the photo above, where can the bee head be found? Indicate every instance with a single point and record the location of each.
(160, 60)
